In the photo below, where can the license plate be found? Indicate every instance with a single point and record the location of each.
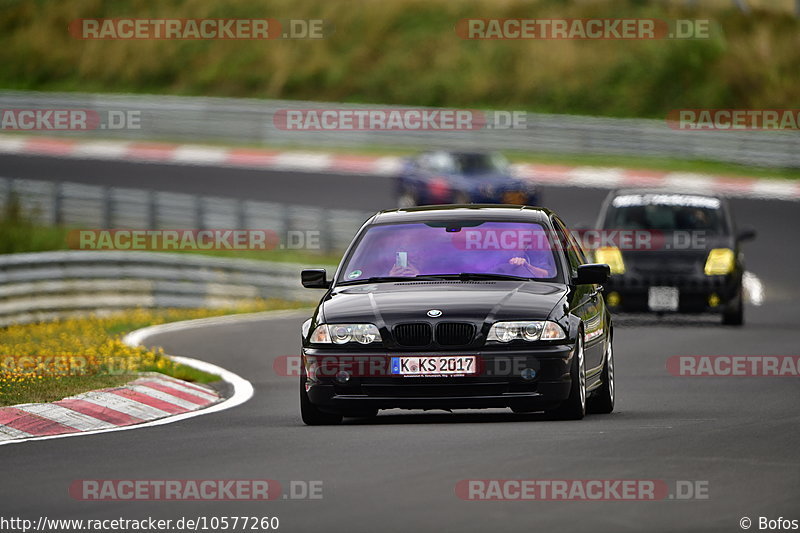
(433, 366)
(663, 299)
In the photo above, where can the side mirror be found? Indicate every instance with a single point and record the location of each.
(315, 278)
(593, 273)
(747, 233)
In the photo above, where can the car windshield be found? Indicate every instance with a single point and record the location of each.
(666, 212)
(474, 248)
(465, 163)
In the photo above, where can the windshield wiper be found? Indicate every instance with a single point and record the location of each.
(383, 279)
(473, 276)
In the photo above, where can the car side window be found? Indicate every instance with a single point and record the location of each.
(570, 246)
(577, 248)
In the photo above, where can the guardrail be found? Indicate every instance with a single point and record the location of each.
(47, 285)
(94, 206)
(250, 121)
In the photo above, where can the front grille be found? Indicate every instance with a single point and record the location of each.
(454, 333)
(414, 335)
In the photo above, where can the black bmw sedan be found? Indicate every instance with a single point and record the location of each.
(459, 307)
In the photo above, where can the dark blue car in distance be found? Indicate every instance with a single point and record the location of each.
(454, 177)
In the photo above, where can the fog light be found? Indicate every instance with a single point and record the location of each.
(713, 300)
(342, 376)
(613, 299)
(528, 374)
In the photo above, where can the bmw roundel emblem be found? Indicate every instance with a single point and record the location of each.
(433, 313)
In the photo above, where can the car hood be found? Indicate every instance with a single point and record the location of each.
(473, 301)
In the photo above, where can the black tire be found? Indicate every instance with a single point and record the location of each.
(311, 415)
(602, 400)
(369, 413)
(574, 407)
(735, 316)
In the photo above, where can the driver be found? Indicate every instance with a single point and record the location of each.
(524, 261)
(536, 259)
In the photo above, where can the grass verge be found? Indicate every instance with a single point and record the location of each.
(20, 234)
(48, 361)
(407, 52)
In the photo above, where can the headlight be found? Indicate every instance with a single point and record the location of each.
(344, 333)
(720, 261)
(528, 331)
(611, 256)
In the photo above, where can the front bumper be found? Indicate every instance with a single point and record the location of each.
(499, 383)
(696, 293)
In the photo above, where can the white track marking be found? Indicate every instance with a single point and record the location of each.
(201, 395)
(121, 404)
(199, 155)
(12, 144)
(64, 416)
(388, 166)
(689, 181)
(163, 396)
(11, 433)
(775, 189)
(303, 161)
(753, 288)
(596, 177)
(100, 150)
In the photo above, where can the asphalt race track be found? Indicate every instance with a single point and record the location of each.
(398, 472)
(341, 192)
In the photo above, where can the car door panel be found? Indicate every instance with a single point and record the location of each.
(588, 304)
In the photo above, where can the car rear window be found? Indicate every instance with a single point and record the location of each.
(666, 212)
(464, 163)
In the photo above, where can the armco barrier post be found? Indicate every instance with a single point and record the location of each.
(58, 203)
(152, 210)
(108, 208)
